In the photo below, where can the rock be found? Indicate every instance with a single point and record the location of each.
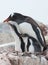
(5, 34)
(43, 61)
(12, 59)
(9, 48)
(4, 60)
(43, 28)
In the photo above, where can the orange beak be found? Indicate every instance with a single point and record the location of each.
(6, 20)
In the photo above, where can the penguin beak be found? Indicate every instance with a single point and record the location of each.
(6, 20)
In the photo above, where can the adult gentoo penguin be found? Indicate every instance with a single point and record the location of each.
(28, 26)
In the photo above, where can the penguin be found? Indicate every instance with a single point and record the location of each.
(28, 26)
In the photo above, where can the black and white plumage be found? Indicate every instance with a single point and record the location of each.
(21, 19)
(25, 43)
(28, 26)
(18, 40)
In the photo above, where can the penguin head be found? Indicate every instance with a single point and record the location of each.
(12, 17)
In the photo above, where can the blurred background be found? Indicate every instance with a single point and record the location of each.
(37, 9)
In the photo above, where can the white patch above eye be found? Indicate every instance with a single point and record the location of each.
(12, 14)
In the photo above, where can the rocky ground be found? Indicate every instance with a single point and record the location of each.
(14, 59)
(8, 56)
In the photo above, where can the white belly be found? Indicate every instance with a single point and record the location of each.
(27, 28)
(31, 47)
